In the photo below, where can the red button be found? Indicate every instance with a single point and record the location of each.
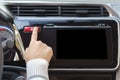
(30, 28)
(2, 29)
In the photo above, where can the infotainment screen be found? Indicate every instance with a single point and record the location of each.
(81, 44)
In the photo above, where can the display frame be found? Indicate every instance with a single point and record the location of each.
(50, 38)
(48, 35)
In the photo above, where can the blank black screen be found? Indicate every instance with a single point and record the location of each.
(81, 44)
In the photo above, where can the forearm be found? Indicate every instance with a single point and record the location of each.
(37, 69)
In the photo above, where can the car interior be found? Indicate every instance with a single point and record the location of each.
(84, 36)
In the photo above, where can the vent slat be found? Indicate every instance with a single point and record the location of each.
(78, 11)
(82, 11)
(37, 10)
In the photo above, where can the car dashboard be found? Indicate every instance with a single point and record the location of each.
(84, 36)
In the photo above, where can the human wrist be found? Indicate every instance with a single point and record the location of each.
(37, 67)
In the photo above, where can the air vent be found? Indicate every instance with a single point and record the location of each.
(84, 11)
(34, 10)
(69, 11)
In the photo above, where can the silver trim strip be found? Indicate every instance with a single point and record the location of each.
(18, 42)
(64, 18)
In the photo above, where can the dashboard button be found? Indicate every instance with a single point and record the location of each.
(29, 29)
(2, 29)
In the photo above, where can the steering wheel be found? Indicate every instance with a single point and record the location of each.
(6, 43)
(10, 41)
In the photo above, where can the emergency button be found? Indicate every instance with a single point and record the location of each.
(28, 29)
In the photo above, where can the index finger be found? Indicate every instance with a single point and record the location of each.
(34, 34)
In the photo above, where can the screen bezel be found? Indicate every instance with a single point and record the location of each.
(48, 36)
(81, 63)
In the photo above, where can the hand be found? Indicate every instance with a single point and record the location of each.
(37, 49)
